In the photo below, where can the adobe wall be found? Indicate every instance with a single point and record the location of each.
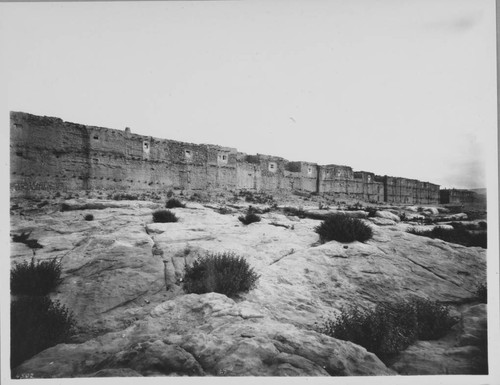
(458, 196)
(50, 154)
(409, 191)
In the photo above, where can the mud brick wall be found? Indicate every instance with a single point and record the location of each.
(49, 154)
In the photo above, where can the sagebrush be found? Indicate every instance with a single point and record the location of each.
(458, 235)
(164, 216)
(342, 228)
(36, 279)
(249, 217)
(482, 293)
(173, 203)
(391, 327)
(37, 323)
(223, 273)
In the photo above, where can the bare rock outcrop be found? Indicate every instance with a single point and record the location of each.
(128, 316)
(207, 334)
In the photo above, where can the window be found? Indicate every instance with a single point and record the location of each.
(272, 166)
(309, 170)
(96, 137)
(222, 158)
(188, 154)
(369, 178)
(146, 145)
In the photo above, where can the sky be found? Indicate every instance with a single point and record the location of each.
(402, 88)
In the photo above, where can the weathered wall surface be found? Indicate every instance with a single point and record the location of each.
(50, 154)
(458, 196)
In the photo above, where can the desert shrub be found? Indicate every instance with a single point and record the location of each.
(249, 217)
(466, 226)
(89, 217)
(458, 235)
(164, 216)
(355, 207)
(40, 278)
(433, 319)
(482, 293)
(292, 211)
(253, 197)
(172, 203)
(390, 327)
(223, 273)
(85, 206)
(124, 197)
(24, 238)
(170, 194)
(343, 229)
(36, 324)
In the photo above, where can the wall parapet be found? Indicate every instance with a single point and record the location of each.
(49, 153)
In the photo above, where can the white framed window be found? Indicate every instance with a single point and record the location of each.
(188, 154)
(222, 158)
(272, 166)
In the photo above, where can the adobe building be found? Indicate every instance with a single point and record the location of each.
(458, 196)
(51, 154)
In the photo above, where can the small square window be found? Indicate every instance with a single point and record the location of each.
(188, 153)
(96, 137)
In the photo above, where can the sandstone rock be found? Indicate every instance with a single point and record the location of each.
(444, 227)
(474, 326)
(122, 372)
(387, 215)
(210, 328)
(383, 221)
(113, 280)
(430, 210)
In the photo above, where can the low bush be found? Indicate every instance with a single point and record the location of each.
(24, 238)
(223, 273)
(482, 293)
(391, 327)
(164, 216)
(253, 197)
(36, 324)
(124, 197)
(85, 206)
(458, 235)
(40, 278)
(466, 226)
(173, 202)
(342, 228)
(292, 211)
(250, 217)
(89, 217)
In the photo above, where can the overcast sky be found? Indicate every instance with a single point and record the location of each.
(403, 88)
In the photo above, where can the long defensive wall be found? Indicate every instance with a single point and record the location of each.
(47, 153)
